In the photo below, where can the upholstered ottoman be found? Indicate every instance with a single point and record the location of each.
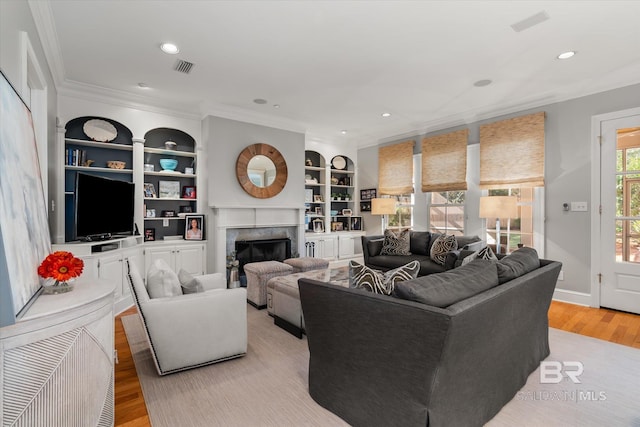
(306, 264)
(284, 296)
(258, 274)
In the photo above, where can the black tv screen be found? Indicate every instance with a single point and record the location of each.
(103, 207)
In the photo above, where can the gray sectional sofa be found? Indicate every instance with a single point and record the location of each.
(420, 247)
(453, 359)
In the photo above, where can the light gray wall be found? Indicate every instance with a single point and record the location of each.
(15, 17)
(225, 139)
(567, 175)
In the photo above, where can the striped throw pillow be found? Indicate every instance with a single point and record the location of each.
(361, 276)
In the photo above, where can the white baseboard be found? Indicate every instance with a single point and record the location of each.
(572, 297)
(122, 305)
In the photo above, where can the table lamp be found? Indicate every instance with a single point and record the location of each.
(498, 207)
(384, 207)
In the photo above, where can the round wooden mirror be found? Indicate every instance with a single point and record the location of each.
(261, 171)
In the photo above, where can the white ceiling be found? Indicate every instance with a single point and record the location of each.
(334, 65)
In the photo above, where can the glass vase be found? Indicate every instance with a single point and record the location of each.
(57, 288)
(234, 278)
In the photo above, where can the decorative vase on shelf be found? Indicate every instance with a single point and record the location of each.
(59, 269)
(57, 288)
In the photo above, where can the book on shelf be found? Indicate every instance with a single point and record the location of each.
(75, 157)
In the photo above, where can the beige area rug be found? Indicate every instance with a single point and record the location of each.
(268, 386)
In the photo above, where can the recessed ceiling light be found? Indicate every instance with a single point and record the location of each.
(143, 85)
(169, 48)
(276, 105)
(481, 83)
(566, 55)
(344, 132)
(386, 114)
(260, 101)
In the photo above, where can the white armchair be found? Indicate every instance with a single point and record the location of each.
(192, 330)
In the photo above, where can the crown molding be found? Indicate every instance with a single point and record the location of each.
(120, 98)
(487, 113)
(242, 115)
(45, 26)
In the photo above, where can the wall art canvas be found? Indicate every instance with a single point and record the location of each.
(24, 229)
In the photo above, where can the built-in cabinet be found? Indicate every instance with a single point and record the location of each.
(106, 260)
(163, 198)
(333, 228)
(169, 195)
(189, 256)
(81, 154)
(321, 246)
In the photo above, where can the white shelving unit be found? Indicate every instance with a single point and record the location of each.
(330, 183)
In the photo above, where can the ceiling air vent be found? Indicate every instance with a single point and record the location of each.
(183, 66)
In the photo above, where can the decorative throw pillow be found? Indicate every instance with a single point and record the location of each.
(361, 276)
(162, 281)
(484, 253)
(396, 244)
(517, 263)
(189, 284)
(441, 246)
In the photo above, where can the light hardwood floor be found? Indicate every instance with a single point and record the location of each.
(610, 325)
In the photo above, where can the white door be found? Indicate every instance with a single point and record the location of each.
(620, 219)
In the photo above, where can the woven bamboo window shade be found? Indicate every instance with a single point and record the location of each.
(395, 168)
(512, 152)
(444, 162)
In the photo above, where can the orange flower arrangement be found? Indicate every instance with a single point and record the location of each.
(61, 266)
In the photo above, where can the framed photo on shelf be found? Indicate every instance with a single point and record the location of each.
(194, 224)
(336, 226)
(308, 195)
(188, 192)
(169, 189)
(151, 213)
(355, 223)
(149, 190)
(317, 198)
(318, 210)
(149, 234)
(347, 212)
(318, 226)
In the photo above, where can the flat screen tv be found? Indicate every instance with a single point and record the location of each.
(103, 207)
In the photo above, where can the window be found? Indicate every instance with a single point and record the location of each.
(447, 212)
(514, 231)
(627, 199)
(403, 218)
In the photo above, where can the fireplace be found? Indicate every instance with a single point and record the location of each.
(261, 250)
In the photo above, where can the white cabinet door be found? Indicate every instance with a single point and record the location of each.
(346, 246)
(329, 247)
(135, 257)
(190, 258)
(323, 246)
(110, 268)
(159, 252)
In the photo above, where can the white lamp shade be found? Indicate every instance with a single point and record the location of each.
(386, 206)
(498, 207)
